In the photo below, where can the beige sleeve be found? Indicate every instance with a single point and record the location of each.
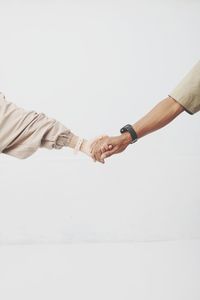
(187, 92)
(23, 132)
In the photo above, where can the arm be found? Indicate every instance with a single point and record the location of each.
(185, 96)
(24, 132)
(161, 115)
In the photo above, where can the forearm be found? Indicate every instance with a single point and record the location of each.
(187, 97)
(161, 115)
(24, 132)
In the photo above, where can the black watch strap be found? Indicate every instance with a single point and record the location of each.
(129, 128)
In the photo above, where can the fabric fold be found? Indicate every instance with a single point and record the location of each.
(23, 132)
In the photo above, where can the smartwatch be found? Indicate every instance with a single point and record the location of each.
(129, 128)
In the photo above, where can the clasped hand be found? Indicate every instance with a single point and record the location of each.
(105, 146)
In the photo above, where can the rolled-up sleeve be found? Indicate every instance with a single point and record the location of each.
(23, 132)
(187, 92)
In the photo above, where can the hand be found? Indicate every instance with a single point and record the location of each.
(107, 146)
(87, 146)
(98, 146)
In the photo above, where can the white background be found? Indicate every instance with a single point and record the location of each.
(95, 66)
(142, 271)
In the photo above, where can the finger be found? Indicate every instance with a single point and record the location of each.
(100, 159)
(93, 154)
(96, 148)
(95, 141)
(108, 153)
(109, 147)
(93, 145)
(96, 154)
(104, 148)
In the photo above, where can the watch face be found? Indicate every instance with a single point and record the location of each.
(129, 128)
(124, 129)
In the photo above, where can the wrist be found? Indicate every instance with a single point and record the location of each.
(73, 141)
(85, 146)
(126, 138)
(131, 136)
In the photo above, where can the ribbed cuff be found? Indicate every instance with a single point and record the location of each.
(69, 139)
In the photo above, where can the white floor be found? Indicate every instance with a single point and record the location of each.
(153, 271)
